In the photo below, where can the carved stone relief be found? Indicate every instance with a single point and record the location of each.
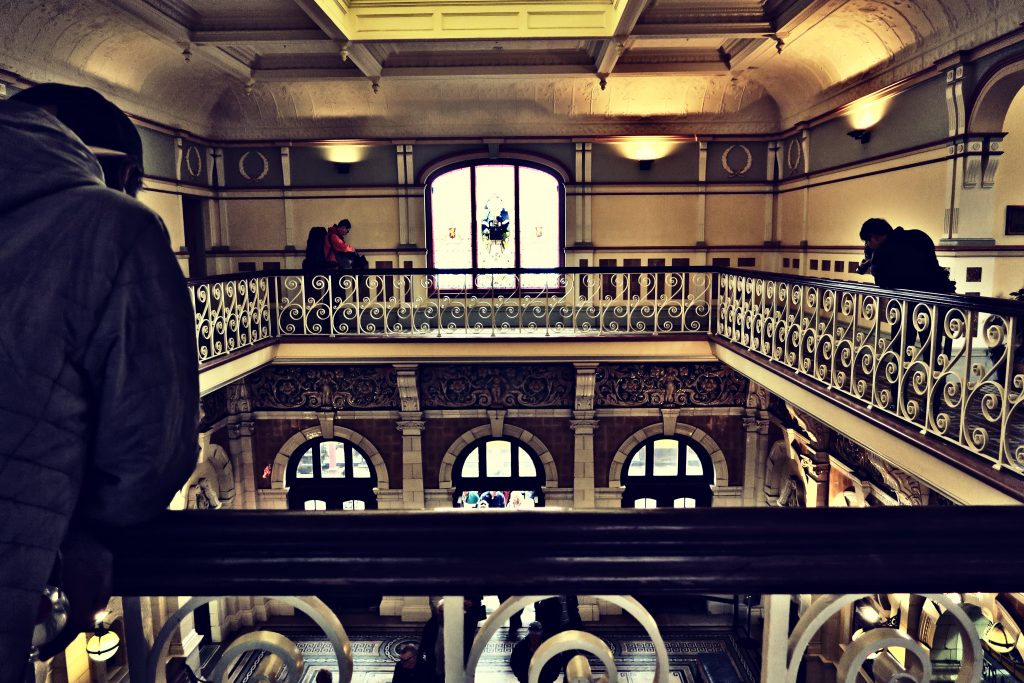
(669, 386)
(360, 387)
(497, 386)
(214, 407)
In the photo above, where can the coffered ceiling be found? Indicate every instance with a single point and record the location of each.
(388, 68)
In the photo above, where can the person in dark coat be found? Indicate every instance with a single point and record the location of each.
(315, 260)
(559, 613)
(904, 259)
(99, 387)
(523, 652)
(410, 668)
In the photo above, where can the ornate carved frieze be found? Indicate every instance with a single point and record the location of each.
(359, 387)
(497, 386)
(676, 385)
(868, 466)
(214, 407)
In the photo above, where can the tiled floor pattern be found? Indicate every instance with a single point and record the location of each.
(707, 656)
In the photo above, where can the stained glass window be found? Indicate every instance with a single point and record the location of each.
(491, 214)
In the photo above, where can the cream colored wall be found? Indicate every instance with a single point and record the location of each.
(1009, 182)
(913, 197)
(644, 220)
(257, 224)
(790, 226)
(736, 219)
(374, 219)
(168, 207)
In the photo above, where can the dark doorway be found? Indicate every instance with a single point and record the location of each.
(195, 234)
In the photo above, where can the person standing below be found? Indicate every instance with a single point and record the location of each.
(410, 668)
(523, 652)
(99, 389)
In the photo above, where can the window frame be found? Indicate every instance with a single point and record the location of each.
(488, 483)
(332, 490)
(472, 164)
(665, 489)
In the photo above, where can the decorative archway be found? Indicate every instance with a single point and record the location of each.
(684, 430)
(296, 440)
(484, 431)
(992, 100)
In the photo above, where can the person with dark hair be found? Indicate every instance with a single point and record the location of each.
(99, 391)
(339, 253)
(523, 652)
(410, 668)
(315, 259)
(904, 259)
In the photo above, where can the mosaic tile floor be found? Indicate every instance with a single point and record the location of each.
(695, 656)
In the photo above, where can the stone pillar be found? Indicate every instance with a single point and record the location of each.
(774, 641)
(411, 426)
(240, 443)
(817, 486)
(583, 427)
(755, 456)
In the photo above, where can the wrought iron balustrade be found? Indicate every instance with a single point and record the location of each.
(842, 555)
(950, 366)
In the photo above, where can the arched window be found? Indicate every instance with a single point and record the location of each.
(495, 214)
(330, 474)
(499, 473)
(667, 471)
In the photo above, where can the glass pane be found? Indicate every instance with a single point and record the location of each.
(305, 468)
(666, 458)
(451, 223)
(353, 505)
(360, 466)
(332, 460)
(638, 465)
(495, 223)
(540, 223)
(694, 467)
(684, 503)
(526, 466)
(315, 505)
(499, 458)
(645, 503)
(471, 466)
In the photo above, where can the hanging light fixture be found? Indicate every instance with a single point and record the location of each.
(103, 643)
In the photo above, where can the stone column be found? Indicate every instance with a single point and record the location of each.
(583, 427)
(240, 443)
(454, 671)
(774, 642)
(411, 426)
(755, 456)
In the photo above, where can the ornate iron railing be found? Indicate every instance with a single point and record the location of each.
(950, 366)
(654, 553)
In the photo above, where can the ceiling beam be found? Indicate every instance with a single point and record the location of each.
(257, 36)
(162, 27)
(610, 50)
(348, 50)
(704, 29)
(359, 55)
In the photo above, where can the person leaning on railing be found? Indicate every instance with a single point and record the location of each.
(905, 259)
(99, 390)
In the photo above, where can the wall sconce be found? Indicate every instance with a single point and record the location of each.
(646, 149)
(861, 135)
(645, 164)
(103, 643)
(342, 168)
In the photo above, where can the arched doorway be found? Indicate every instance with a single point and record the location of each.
(498, 472)
(668, 471)
(330, 474)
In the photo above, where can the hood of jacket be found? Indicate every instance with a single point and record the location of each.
(41, 157)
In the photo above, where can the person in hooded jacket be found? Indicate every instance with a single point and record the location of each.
(98, 366)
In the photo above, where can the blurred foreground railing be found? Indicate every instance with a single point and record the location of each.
(949, 556)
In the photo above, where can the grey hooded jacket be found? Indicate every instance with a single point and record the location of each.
(98, 379)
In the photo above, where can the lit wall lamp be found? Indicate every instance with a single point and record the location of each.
(864, 114)
(103, 643)
(646, 149)
(343, 154)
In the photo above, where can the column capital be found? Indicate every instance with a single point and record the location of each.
(411, 427)
(584, 426)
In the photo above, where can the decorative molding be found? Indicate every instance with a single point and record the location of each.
(325, 388)
(748, 161)
(213, 408)
(867, 466)
(497, 386)
(669, 385)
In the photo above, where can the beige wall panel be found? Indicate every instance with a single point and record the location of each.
(1007, 276)
(735, 219)
(1009, 187)
(257, 224)
(650, 220)
(791, 217)
(168, 207)
(374, 219)
(913, 198)
(417, 222)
